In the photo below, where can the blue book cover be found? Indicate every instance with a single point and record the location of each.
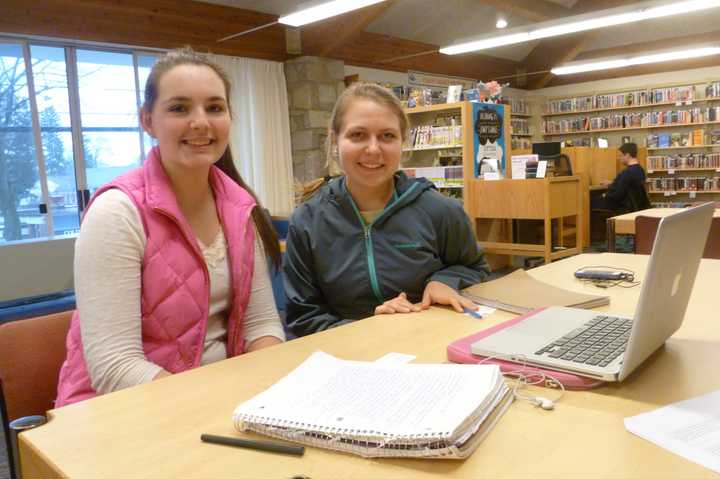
(663, 140)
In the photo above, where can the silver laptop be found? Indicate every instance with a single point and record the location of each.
(610, 347)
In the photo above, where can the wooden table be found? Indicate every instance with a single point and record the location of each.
(153, 430)
(625, 224)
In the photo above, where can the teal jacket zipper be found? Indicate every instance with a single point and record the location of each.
(367, 228)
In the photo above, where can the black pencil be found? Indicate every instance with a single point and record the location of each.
(250, 444)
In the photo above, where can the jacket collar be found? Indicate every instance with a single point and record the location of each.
(406, 189)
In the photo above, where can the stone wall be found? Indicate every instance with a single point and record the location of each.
(313, 85)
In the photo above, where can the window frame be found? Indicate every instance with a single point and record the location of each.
(70, 48)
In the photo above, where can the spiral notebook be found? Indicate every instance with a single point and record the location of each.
(380, 410)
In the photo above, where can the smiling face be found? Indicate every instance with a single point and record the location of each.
(190, 118)
(369, 145)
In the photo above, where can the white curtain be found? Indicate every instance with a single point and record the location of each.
(260, 134)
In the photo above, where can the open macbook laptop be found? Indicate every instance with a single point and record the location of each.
(605, 346)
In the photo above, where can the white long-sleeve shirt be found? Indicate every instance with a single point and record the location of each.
(108, 262)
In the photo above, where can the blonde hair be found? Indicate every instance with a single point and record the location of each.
(357, 91)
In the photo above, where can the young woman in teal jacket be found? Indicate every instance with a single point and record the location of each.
(374, 241)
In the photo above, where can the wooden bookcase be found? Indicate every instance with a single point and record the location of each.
(429, 156)
(521, 124)
(446, 158)
(687, 147)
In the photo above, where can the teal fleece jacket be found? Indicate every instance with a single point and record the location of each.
(337, 269)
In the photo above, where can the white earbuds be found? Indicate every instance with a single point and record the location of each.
(544, 403)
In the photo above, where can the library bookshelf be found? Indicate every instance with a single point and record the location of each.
(447, 157)
(440, 146)
(677, 123)
(521, 124)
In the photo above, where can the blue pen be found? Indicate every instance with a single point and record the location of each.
(472, 313)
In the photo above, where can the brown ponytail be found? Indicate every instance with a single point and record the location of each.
(263, 223)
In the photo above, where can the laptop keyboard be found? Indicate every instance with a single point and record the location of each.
(598, 342)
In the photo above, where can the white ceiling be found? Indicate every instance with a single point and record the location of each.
(445, 22)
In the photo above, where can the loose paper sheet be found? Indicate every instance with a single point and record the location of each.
(689, 428)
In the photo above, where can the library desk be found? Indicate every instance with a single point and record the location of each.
(625, 224)
(547, 199)
(153, 430)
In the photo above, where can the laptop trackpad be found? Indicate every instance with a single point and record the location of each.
(534, 332)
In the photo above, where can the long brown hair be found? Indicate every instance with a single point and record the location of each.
(357, 91)
(187, 56)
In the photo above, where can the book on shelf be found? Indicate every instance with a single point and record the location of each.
(712, 90)
(715, 137)
(376, 409)
(698, 137)
(651, 141)
(453, 94)
(663, 140)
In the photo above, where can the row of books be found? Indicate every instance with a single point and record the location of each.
(520, 143)
(631, 98)
(632, 120)
(682, 161)
(712, 90)
(582, 141)
(443, 176)
(519, 107)
(569, 105)
(520, 126)
(424, 136)
(419, 96)
(698, 137)
(684, 183)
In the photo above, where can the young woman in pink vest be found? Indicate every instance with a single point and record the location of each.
(170, 268)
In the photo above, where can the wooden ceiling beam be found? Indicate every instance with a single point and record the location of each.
(325, 38)
(156, 23)
(535, 10)
(551, 52)
(702, 39)
(642, 48)
(373, 50)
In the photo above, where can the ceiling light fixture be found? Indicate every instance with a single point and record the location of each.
(501, 23)
(639, 60)
(581, 23)
(324, 10)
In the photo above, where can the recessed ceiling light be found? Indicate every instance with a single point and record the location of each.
(501, 23)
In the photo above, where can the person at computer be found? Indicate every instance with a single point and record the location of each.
(170, 268)
(373, 241)
(627, 191)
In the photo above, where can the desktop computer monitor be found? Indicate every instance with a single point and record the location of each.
(550, 151)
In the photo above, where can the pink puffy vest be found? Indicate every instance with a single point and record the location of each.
(175, 280)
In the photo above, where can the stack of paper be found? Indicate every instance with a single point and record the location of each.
(519, 293)
(689, 428)
(380, 409)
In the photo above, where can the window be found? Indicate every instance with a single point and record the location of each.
(20, 189)
(68, 124)
(53, 104)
